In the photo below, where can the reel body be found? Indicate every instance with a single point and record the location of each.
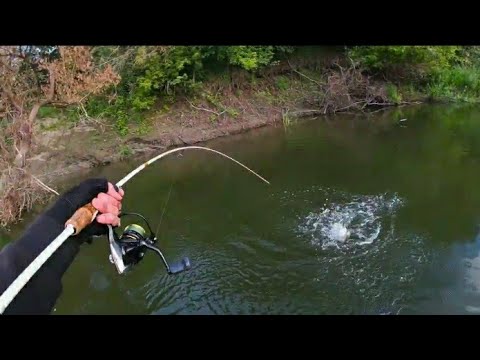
(128, 249)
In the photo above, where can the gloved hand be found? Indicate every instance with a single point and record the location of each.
(104, 197)
(40, 293)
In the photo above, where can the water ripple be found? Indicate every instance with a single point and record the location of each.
(358, 221)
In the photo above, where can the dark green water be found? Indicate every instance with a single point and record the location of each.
(408, 192)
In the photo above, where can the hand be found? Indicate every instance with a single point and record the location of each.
(109, 205)
(101, 194)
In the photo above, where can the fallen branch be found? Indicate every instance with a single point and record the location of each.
(211, 111)
(380, 104)
(307, 112)
(46, 187)
(305, 76)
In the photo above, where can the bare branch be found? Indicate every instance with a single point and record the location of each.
(72, 78)
(51, 92)
(211, 111)
(305, 76)
(12, 99)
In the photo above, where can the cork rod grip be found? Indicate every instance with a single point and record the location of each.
(82, 218)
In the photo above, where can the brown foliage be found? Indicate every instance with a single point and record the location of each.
(28, 82)
(71, 79)
(18, 194)
(345, 88)
(349, 88)
(76, 77)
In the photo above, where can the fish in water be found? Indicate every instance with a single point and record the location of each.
(338, 232)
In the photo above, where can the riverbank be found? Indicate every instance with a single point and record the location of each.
(66, 146)
(63, 149)
(154, 98)
(415, 180)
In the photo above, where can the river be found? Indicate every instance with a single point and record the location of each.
(365, 214)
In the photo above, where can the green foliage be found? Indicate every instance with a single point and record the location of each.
(267, 96)
(68, 117)
(443, 72)
(72, 115)
(125, 151)
(393, 94)
(470, 56)
(287, 120)
(248, 57)
(121, 124)
(465, 79)
(182, 68)
(457, 83)
(47, 111)
(164, 71)
(410, 62)
(154, 76)
(282, 83)
(150, 74)
(232, 112)
(143, 128)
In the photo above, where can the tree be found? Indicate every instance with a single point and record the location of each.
(32, 77)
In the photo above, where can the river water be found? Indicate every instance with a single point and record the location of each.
(365, 214)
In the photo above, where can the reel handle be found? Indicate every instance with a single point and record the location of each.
(82, 218)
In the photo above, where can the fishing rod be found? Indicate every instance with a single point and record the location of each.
(126, 250)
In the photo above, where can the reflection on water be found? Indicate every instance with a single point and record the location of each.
(463, 295)
(471, 266)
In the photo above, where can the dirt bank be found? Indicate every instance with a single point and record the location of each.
(62, 150)
(65, 148)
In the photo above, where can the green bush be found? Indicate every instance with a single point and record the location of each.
(154, 76)
(282, 83)
(393, 94)
(247, 57)
(470, 56)
(47, 111)
(456, 83)
(411, 63)
(153, 73)
(443, 72)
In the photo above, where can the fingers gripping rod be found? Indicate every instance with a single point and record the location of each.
(82, 218)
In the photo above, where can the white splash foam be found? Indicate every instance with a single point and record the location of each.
(358, 221)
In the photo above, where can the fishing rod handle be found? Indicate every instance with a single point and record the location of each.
(82, 218)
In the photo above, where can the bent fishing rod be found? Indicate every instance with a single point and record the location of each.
(126, 249)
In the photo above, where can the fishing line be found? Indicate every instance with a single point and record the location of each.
(82, 218)
(164, 208)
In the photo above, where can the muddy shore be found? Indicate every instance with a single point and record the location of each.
(62, 151)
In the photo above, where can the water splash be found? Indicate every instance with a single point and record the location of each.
(359, 250)
(357, 220)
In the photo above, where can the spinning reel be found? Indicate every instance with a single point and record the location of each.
(129, 248)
